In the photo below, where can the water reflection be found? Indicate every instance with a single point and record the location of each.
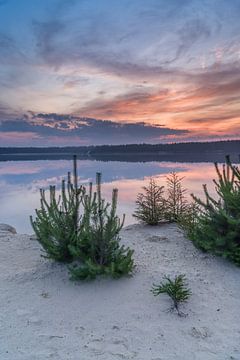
(20, 182)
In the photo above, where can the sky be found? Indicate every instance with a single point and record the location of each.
(81, 72)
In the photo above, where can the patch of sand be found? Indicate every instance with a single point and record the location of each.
(46, 316)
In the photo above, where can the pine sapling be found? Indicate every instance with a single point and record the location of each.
(177, 289)
(188, 219)
(176, 203)
(150, 204)
(217, 226)
(57, 221)
(98, 247)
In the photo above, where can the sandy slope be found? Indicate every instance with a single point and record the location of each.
(46, 316)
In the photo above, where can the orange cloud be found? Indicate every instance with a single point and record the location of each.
(199, 107)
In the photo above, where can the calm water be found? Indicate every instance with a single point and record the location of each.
(20, 182)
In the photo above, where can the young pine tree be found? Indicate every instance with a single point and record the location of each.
(56, 222)
(98, 248)
(217, 228)
(187, 219)
(176, 203)
(176, 289)
(150, 204)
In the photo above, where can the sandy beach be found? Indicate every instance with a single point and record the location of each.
(44, 315)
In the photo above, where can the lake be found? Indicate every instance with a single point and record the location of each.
(20, 182)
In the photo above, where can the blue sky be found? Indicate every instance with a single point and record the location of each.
(170, 65)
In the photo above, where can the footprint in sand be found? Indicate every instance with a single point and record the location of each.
(115, 347)
(200, 333)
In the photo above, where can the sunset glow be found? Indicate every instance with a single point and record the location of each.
(170, 67)
(21, 183)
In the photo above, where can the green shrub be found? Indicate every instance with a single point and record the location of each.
(217, 227)
(81, 227)
(98, 246)
(56, 222)
(188, 218)
(150, 204)
(157, 203)
(177, 289)
(176, 204)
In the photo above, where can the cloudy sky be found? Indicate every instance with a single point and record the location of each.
(110, 71)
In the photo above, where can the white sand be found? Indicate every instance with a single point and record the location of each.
(46, 316)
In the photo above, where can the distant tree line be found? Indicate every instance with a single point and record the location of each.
(228, 146)
(225, 146)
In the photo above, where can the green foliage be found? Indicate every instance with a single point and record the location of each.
(97, 246)
(88, 270)
(176, 203)
(56, 221)
(217, 227)
(155, 205)
(121, 265)
(188, 218)
(177, 289)
(81, 226)
(150, 204)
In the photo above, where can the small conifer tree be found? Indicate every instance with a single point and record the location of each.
(176, 203)
(83, 227)
(187, 219)
(217, 228)
(56, 222)
(150, 204)
(176, 289)
(97, 247)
